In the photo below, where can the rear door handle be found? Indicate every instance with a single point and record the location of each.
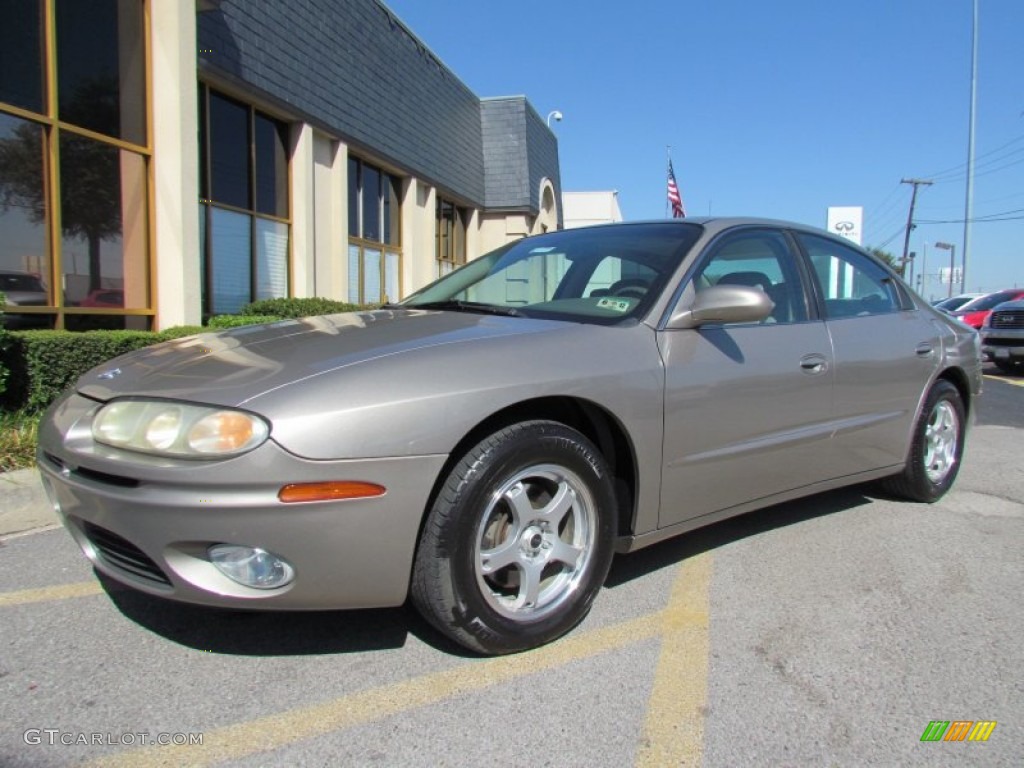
(814, 364)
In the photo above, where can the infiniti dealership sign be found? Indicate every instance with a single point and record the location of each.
(846, 221)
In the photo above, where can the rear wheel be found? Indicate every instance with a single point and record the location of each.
(936, 447)
(519, 540)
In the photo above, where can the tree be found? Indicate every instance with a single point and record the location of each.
(90, 201)
(885, 256)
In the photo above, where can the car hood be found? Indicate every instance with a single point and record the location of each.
(234, 367)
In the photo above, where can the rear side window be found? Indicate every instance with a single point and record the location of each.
(851, 284)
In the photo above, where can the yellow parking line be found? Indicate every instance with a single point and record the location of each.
(1014, 382)
(276, 731)
(674, 728)
(43, 594)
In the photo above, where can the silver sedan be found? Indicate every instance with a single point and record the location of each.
(485, 446)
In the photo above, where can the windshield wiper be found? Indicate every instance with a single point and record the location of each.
(458, 305)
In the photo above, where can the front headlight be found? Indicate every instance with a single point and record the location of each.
(167, 428)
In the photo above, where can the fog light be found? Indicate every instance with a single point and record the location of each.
(251, 566)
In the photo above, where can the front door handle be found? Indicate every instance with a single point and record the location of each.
(924, 349)
(814, 364)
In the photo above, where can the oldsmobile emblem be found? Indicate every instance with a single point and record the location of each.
(112, 373)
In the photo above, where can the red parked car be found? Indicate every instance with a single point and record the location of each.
(974, 312)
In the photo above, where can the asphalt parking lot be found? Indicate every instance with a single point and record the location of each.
(827, 632)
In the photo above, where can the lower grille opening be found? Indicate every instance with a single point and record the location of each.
(120, 554)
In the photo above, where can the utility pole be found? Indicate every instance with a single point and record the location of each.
(910, 219)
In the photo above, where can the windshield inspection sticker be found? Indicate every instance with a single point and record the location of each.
(615, 305)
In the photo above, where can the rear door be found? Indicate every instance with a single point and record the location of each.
(886, 352)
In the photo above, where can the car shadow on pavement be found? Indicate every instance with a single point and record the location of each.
(303, 633)
(270, 633)
(625, 568)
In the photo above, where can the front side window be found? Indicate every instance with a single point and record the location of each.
(245, 205)
(759, 259)
(851, 284)
(374, 246)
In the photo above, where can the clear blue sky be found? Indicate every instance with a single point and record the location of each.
(776, 109)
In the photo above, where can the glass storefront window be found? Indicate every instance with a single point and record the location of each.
(23, 212)
(22, 76)
(271, 259)
(374, 223)
(271, 166)
(245, 166)
(229, 151)
(104, 224)
(101, 72)
(231, 272)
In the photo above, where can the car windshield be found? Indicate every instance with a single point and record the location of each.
(592, 275)
(955, 303)
(987, 302)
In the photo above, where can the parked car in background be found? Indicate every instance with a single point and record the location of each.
(23, 289)
(974, 312)
(484, 446)
(1002, 337)
(955, 302)
(104, 297)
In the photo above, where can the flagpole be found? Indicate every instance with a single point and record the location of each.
(668, 162)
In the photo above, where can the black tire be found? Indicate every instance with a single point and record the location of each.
(1012, 367)
(481, 560)
(936, 447)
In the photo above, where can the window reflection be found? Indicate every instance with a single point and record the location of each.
(21, 54)
(101, 67)
(23, 215)
(104, 224)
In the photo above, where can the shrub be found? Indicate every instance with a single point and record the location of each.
(45, 363)
(288, 308)
(236, 321)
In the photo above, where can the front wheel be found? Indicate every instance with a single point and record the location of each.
(519, 539)
(937, 445)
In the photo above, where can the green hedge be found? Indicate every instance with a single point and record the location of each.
(220, 322)
(289, 308)
(39, 365)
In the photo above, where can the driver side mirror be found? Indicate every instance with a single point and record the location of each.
(721, 304)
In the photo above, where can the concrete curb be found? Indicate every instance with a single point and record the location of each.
(23, 503)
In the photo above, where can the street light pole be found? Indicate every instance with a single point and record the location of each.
(969, 202)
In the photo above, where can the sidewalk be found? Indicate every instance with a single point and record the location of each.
(23, 503)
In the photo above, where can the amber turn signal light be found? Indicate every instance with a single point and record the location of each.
(330, 491)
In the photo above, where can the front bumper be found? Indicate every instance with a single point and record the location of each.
(149, 522)
(1003, 344)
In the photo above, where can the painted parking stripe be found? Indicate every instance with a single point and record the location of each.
(674, 727)
(1014, 382)
(277, 731)
(280, 730)
(44, 594)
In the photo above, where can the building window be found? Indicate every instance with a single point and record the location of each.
(74, 149)
(244, 210)
(450, 248)
(374, 234)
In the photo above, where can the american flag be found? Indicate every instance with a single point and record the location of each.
(673, 195)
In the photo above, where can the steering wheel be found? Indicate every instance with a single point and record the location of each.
(629, 287)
